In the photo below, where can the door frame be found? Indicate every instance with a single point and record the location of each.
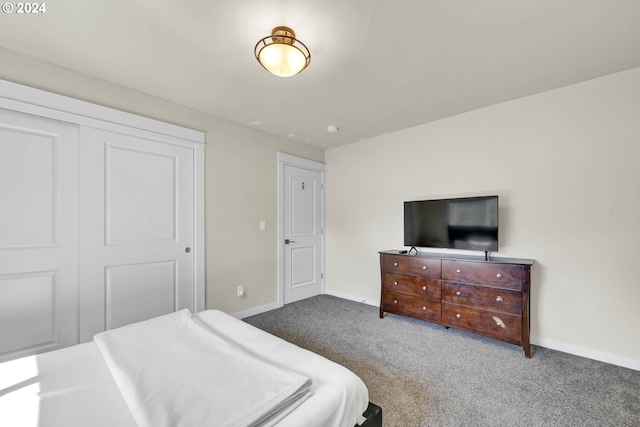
(299, 162)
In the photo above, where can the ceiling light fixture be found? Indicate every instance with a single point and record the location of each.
(281, 53)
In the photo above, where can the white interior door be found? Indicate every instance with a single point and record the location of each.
(303, 244)
(38, 234)
(137, 230)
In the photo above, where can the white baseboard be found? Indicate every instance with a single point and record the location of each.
(613, 359)
(375, 303)
(257, 310)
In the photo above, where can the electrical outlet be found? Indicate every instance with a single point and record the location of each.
(240, 291)
(263, 225)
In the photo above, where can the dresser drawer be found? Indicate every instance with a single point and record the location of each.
(503, 300)
(505, 327)
(424, 267)
(412, 285)
(412, 306)
(490, 274)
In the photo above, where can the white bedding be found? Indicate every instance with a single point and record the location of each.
(173, 371)
(73, 387)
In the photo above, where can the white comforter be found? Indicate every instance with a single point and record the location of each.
(173, 371)
(73, 387)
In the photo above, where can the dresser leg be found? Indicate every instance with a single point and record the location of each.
(381, 314)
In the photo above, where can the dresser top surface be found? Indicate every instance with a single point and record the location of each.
(459, 257)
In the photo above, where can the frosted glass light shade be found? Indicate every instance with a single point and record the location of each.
(281, 53)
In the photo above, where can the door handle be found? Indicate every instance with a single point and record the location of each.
(287, 241)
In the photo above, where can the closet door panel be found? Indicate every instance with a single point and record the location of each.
(137, 229)
(141, 203)
(126, 284)
(38, 234)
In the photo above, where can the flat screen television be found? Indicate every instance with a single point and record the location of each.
(462, 223)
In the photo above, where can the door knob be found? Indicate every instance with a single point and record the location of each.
(287, 241)
(187, 250)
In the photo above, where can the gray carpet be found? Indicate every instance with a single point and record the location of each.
(422, 374)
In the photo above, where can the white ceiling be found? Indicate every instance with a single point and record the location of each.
(376, 66)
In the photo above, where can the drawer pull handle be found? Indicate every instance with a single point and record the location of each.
(395, 301)
(424, 267)
(395, 264)
(458, 293)
(499, 322)
(499, 299)
(458, 271)
(424, 308)
(499, 276)
(458, 316)
(395, 283)
(424, 288)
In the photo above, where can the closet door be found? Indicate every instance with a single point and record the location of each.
(38, 234)
(136, 229)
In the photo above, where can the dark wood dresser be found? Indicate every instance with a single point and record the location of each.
(489, 298)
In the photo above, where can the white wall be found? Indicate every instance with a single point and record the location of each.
(241, 180)
(566, 165)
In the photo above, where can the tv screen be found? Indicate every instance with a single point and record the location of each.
(460, 223)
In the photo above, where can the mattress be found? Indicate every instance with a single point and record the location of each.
(73, 387)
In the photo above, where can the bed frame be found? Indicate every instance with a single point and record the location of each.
(373, 416)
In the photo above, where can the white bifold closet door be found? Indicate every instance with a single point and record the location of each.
(136, 229)
(38, 234)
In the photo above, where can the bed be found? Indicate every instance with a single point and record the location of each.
(218, 371)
